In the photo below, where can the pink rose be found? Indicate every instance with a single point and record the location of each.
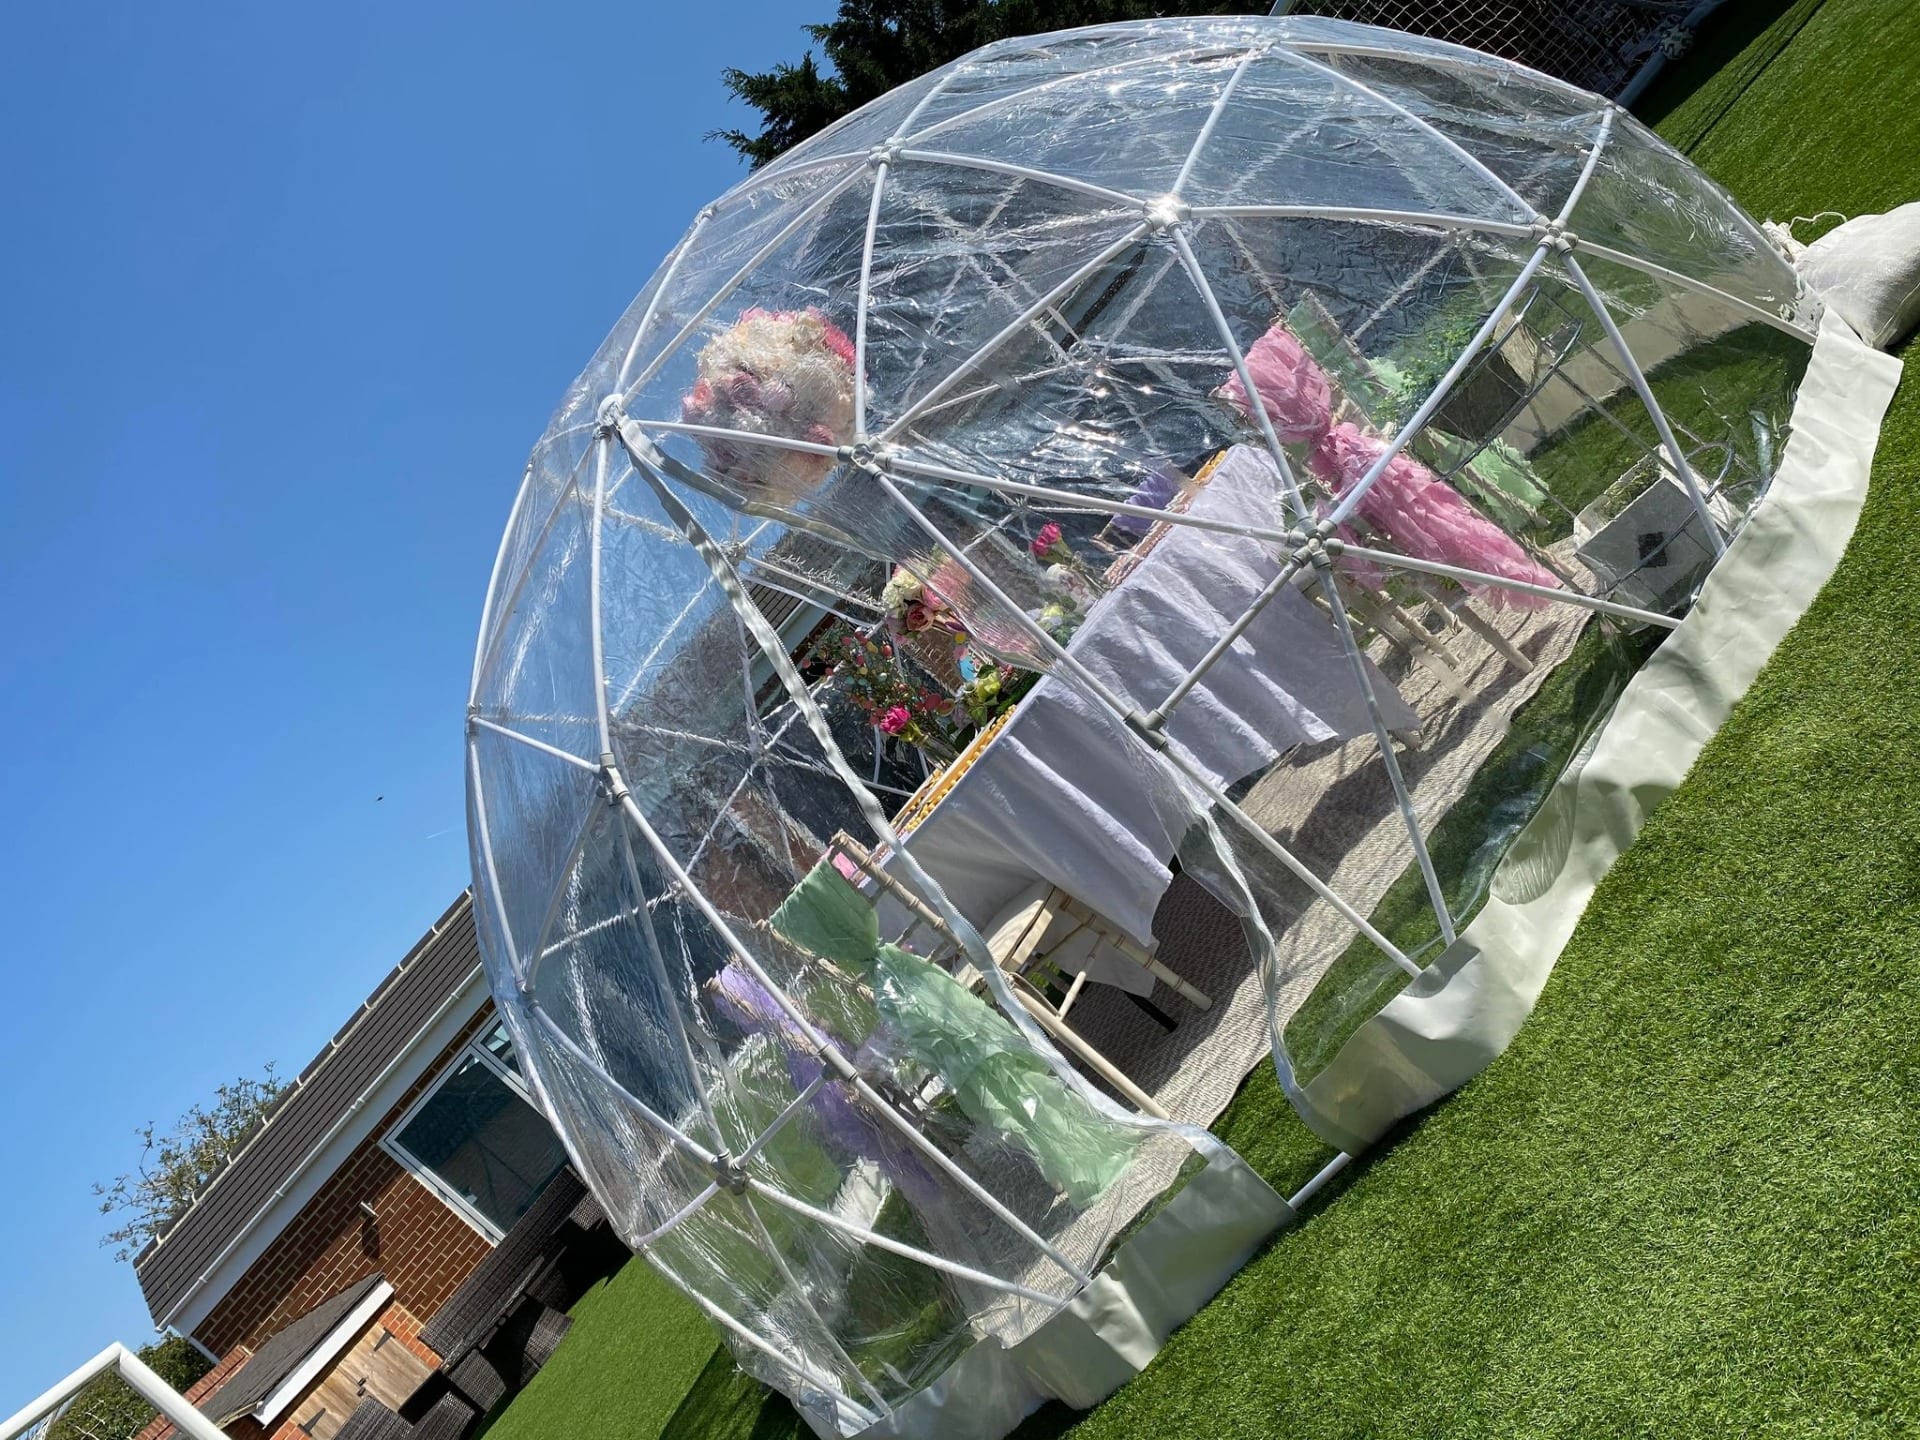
(1049, 546)
(895, 720)
(743, 391)
(918, 617)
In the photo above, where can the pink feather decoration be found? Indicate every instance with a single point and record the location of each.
(1424, 517)
(1292, 387)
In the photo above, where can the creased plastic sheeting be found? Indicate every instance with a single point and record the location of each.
(1175, 1264)
(1449, 1024)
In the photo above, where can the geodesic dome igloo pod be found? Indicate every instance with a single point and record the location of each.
(1255, 448)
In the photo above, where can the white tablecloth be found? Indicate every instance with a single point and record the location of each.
(1066, 795)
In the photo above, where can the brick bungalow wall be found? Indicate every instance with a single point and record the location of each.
(421, 1246)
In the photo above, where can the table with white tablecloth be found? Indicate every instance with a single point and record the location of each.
(1066, 794)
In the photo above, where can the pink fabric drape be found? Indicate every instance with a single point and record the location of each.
(1409, 507)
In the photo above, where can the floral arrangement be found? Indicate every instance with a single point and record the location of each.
(1050, 547)
(868, 672)
(1071, 588)
(914, 608)
(992, 690)
(781, 373)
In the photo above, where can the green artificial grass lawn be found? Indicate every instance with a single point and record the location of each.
(636, 1346)
(1686, 1202)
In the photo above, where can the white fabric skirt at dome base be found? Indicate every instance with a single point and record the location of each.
(1451, 1022)
(1157, 1280)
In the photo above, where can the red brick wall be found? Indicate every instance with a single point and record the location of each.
(416, 1241)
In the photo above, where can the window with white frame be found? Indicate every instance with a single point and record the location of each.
(476, 1138)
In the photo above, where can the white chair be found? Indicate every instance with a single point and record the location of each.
(1045, 926)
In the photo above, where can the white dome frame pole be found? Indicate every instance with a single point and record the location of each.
(1167, 214)
(488, 651)
(655, 961)
(557, 1034)
(1080, 500)
(819, 202)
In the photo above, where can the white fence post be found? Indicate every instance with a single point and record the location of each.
(162, 1396)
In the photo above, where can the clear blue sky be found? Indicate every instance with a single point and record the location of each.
(289, 292)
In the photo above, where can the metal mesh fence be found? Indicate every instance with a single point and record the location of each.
(1599, 45)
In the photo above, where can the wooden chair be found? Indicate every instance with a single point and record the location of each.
(1030, 996)
(1045, 926)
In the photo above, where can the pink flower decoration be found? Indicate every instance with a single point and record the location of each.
(1048, 537)
(1424, 517)
(895, 720)
(1292, 388)
(917, 618)
(776, 397)
(833, 337)
(777, 374)
(743, 391)
(949, 584)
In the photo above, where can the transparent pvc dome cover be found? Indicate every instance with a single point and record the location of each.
(1331, 420)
